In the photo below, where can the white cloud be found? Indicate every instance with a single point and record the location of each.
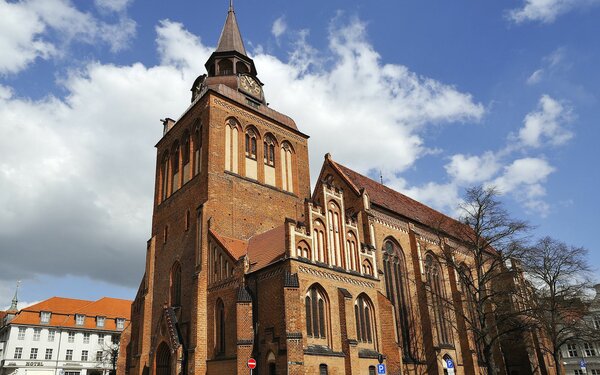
(546, 11)
(473, 169)
(546, 124)
(20, 40)
(535, 77)
(34, 29)
(279, 27)
(112, 5)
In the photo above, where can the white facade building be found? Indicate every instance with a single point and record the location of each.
(63, 336)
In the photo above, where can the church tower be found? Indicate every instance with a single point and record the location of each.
(230, 165)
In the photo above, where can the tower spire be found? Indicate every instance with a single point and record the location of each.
(15, 300)
(231, 39)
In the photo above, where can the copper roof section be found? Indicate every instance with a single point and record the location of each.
(401, 204)
(231, 39)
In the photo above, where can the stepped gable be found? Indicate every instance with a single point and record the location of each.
(399, 203)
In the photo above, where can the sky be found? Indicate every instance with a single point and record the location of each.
(434, 96)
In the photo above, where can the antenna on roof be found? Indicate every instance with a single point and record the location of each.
(381, 177)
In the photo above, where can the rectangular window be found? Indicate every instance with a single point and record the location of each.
(36, 334)
(589, 350)
(84, 355)
(48, 354)
(120, 323)
(33, 353)
(86, 338)
(51, 334)
(572, 350)
(21, 335)
(100, 320)
(578, 372)
(69, 356)
(79, 319)
(45, 317)
(99, 356)
(71, 337)
(100, 339)
(18, 353)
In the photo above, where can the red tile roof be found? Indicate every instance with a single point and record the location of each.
(266, 248)
(236, 248)
(399, 203)
(63, 311)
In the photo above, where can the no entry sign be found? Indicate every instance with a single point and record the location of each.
(251, 363)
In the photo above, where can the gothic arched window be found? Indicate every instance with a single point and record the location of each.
(367, 268)
(185, 157)
(175, 289)
(175, 167)
(269, 150)
(303, 250)
(219, 327)
(319, 241)
(287, 176)
(437, 298)
(396, 286)
(231, 145)
(363, 315)
(197, 149)
(317, 310)
(352, 252)
(251, 144)
(165, 176)
(335, 234)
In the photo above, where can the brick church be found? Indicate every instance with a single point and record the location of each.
(245, 261)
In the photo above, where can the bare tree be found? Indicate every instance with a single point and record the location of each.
(559, 274)
(486, 240)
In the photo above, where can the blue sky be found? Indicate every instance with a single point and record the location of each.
(435, 95)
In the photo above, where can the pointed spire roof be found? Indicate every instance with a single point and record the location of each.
(231, 39)
(15, 300)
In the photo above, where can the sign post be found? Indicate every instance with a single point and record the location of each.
(449, 366)
(381, 369)
(251, 364)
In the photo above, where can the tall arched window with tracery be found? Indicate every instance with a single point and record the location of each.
(287, 176)
(165, 176)
(303, 250)
(335, 234)
(175, 167)
(396, 286)
(363, 315)
(175, 290)
(438, 300)
(320, 244)
(251, 153)
(269, 159)
(467, 289)
(220, 327)
(197, 149)
(317, 313)
(231, 145)
(352, 260)
(367, 268)
(185, 157)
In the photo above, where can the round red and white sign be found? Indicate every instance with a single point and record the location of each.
(252, 363)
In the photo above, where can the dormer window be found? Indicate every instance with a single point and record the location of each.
(79, 319)
(99, 321)
(120, 323)
(45, 317)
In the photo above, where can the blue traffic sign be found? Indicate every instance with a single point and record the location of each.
(381, 369)
(449, 363)
(583, 363)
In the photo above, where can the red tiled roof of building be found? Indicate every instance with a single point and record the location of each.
(236, 248)
(267, 247)
(399, 203)
(63, 311)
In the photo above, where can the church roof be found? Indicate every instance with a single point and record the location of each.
(401, 204)
(236, 248)
(266, 248)
(231, 39)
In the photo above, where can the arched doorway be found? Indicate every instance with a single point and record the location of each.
(271, 363)
(163, 360)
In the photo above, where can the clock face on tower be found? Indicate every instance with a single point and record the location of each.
(251, 86)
